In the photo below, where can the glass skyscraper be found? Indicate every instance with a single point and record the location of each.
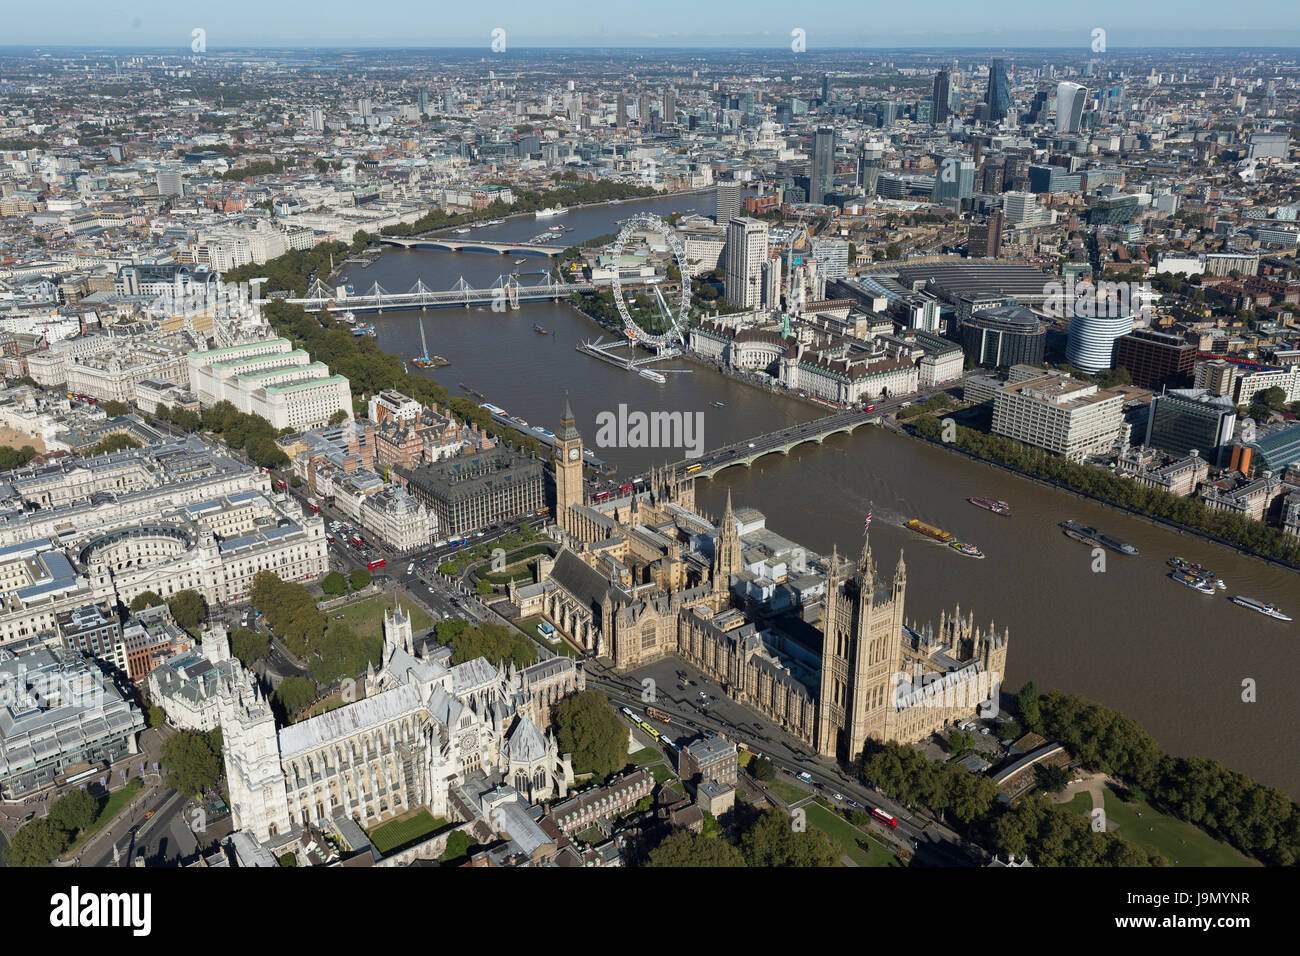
(941, 95)
(822, 179)
(998, 95)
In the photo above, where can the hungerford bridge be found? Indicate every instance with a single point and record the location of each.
(506, 292)
(474, 245)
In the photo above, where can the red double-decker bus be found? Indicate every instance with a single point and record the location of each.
(377, 563)
(885, 818)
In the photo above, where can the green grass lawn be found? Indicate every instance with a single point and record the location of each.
(1172, 838)
(787, 791)
(108, 809)
(663, 773)
(398, 833)
(645, 756)
(366, 618)
(847, 836)
(529, 626)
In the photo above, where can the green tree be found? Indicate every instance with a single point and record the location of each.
(143, 600)
(156, 716)
(1052, 778)
(588, 728)
(114, 409)
(1027, 706)
(762, 769)
(334, 583)
(359, 579)
(11, 458)
(295, 694)
(112, 443)
(684, 848)
(73, 811)
(772, 841)
(36, 844)
(249, 646)
(188, 608)
(192, 761)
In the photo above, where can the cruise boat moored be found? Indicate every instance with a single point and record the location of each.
(1192, 581)
(1270, 610)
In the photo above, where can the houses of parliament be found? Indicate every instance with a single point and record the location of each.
(820, 647)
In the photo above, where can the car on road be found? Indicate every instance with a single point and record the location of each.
(838, 796)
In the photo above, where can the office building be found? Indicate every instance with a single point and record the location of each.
(65, 721)
(1020, 208)
(1003, 336)
(985, 241)
(476, 490)
(940, 110)
(1070, 100)
(1091, 345)
(822, 175)
(1060, 414)
(728, 207)
(832, 257)
(169, 182)
(955, 180)
(620, 111)
(998, 94)
(1191, 419)
(1156, 359)
(746, 253)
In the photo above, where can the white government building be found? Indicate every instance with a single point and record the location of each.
(272, 379)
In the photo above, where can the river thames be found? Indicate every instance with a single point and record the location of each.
(1129, 637)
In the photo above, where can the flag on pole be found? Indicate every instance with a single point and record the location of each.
(866, 523)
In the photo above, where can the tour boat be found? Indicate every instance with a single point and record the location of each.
(969, 550)
(551, 211)
(992, 504)
(653, 376)
(719, 404)
(1270, 610)
(1193, 582)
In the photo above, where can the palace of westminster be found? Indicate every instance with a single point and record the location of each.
(826, 656)
(829, 658)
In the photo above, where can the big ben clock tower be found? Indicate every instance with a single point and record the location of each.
(568, 467)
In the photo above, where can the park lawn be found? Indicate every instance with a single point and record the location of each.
(787, 791)
(406, 829)
(645, 756)
(662, 773)
(847, 836)
(1173, 839)
(110, 808)
(366, 618)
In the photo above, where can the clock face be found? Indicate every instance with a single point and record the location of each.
(573, 454)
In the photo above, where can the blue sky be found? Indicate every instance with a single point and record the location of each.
(657, 23)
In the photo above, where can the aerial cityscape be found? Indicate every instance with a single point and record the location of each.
(508, 448)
